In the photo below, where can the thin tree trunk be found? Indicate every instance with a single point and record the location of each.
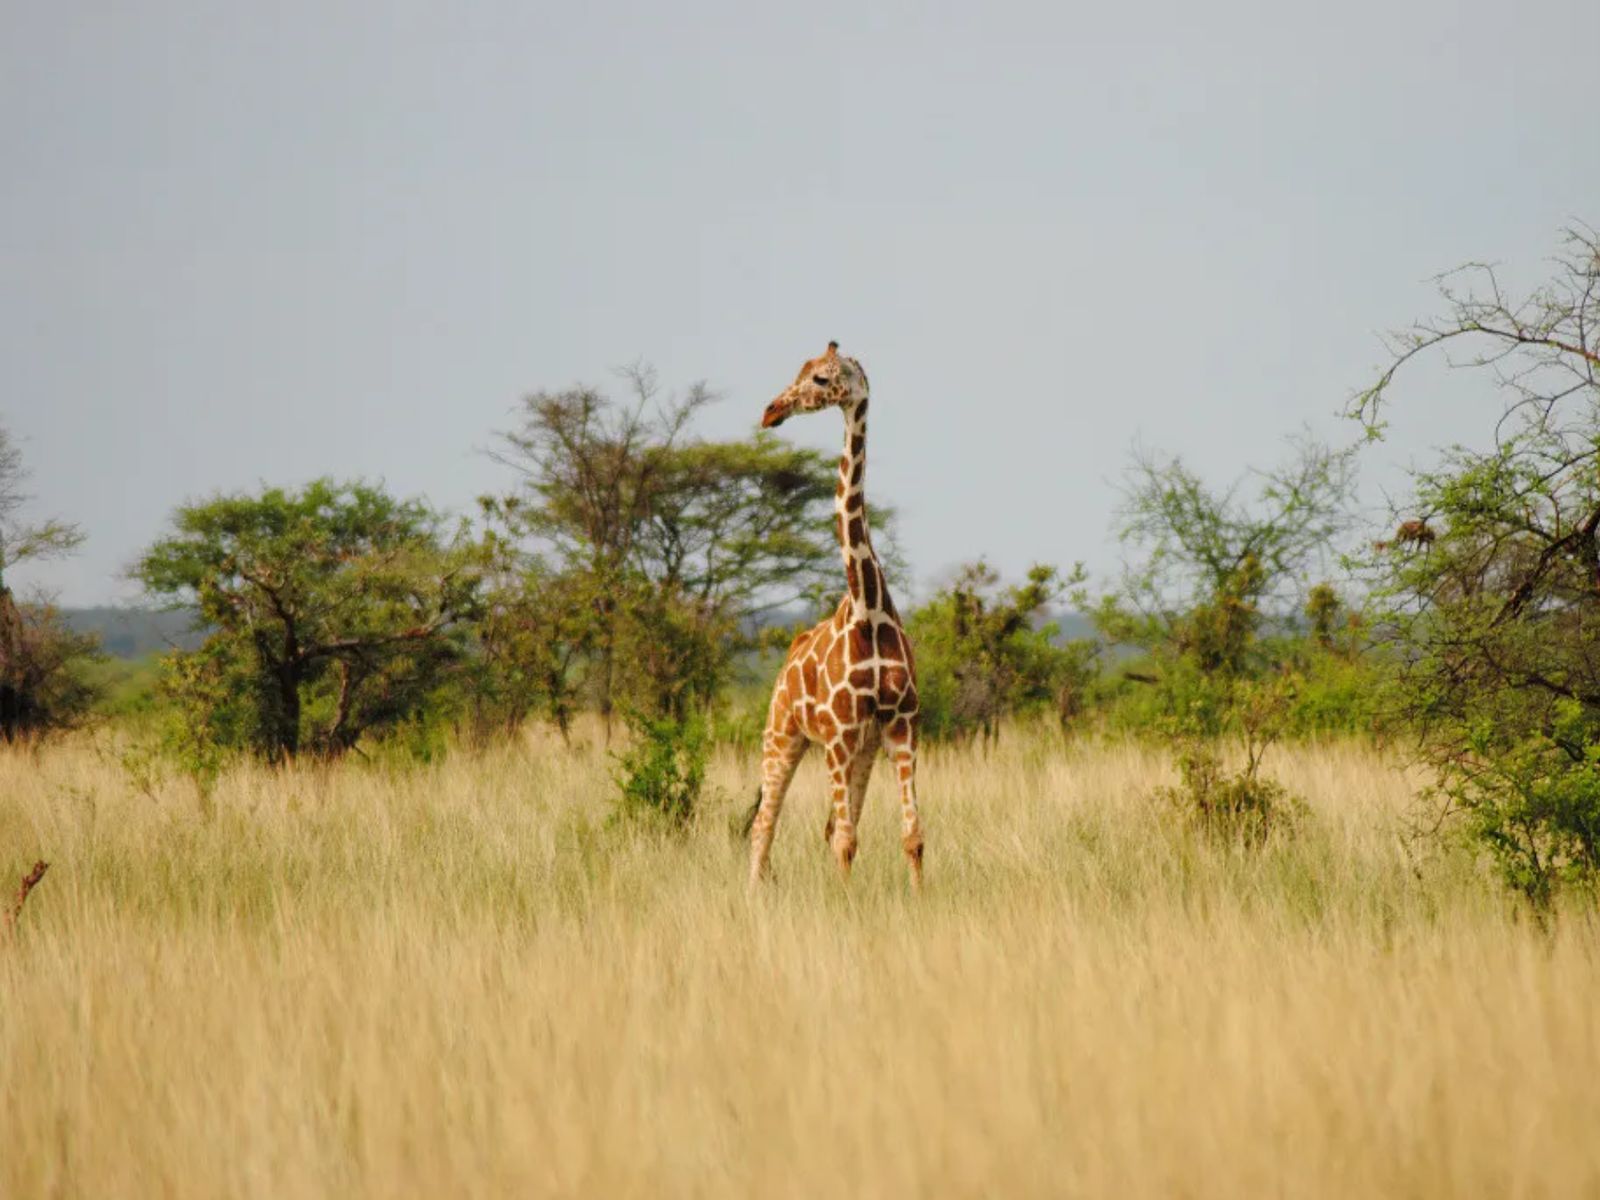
(607, 665)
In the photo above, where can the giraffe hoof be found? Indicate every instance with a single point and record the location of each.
(914, 846)
(844, 849)
(759, 879)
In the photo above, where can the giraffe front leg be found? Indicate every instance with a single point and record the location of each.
(855, 753)
(900, 741)
(781, 752)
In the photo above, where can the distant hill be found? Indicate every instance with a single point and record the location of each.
(1074, 626)
(136, 632)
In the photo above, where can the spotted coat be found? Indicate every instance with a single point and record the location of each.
(848, 684)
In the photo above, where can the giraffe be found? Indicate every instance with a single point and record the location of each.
(849, 683)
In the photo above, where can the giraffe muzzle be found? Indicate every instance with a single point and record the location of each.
(777, 413)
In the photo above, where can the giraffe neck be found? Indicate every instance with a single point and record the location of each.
(868, 594)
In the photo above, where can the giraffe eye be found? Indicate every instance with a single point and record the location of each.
(820, 380)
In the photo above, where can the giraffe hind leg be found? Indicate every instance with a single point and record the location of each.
(750, 814)
(780, 756)
(861, 771)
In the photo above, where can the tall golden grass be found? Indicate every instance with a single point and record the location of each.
(458, 980)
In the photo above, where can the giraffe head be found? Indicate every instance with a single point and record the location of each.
(831, 381)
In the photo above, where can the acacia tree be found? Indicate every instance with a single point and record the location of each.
(650, 554)
(591, 471)
(742, 527)
(41, 686)
(335, 610)
(1207, 567)
(986, 651)
(534, 628)
(1492, 597)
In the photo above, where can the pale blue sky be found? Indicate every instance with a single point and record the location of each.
(247, 243)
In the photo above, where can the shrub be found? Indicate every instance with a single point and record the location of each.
(662, 773)
(1535, 806)
(986, 652)
(1241, 806)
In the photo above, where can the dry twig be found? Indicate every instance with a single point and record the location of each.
(29, 882)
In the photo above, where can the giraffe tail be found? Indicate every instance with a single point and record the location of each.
(749, 820)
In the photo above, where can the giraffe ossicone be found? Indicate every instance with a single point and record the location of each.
(849, 683)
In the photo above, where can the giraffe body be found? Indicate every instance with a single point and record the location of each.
(849, 683)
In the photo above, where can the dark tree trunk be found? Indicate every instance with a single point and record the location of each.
(287, 734)
(280, 707)
(607, 679)
(13, 698)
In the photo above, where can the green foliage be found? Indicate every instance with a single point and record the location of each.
(1325, 694)
(335, 611)
(1242, 806)
(1207, 593)
(985, 653)
(1323, 611)
(742, 527)
(533, 629)
(126, 689)
(1213, 560)
(634, 562)
(1167, 695)
(1489, 601)
(1534, 805)
(661, 774)
(676, 651)
(1338, 695)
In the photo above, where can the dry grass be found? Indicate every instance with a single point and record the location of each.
(456, 980)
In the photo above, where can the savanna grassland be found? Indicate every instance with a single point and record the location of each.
(458, 979)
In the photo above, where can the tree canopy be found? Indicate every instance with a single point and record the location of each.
(1489, 594)
(335, 609)
(642, 556)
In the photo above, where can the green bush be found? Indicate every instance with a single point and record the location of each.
(1240, 806)
(1336, 696)
(987, 652)
(1323, 694)
(1534, 806)
(1166, 695)
(661, 775)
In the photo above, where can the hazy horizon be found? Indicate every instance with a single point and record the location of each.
(259, 246)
